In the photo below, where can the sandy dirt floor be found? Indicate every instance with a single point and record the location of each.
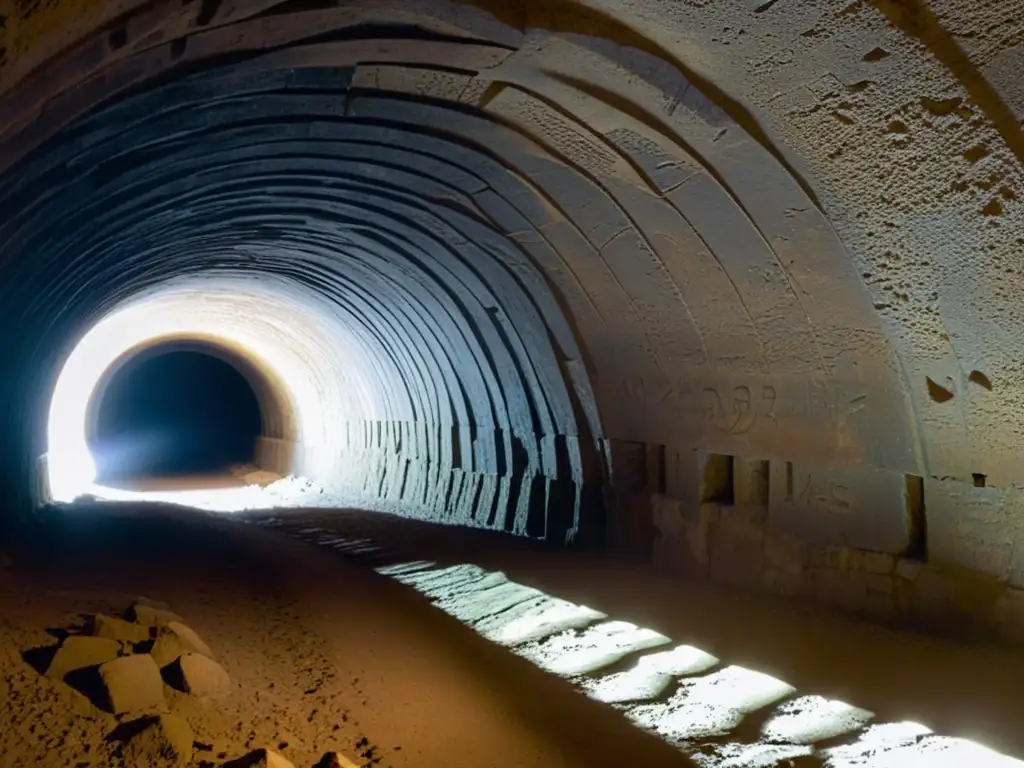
(958, 690)
(332, 642)
(323, 655)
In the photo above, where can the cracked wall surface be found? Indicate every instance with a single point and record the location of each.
(697, 276)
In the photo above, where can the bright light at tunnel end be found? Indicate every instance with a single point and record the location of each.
(281, 330)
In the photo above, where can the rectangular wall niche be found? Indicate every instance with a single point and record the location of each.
(917, 524)
(716, 480)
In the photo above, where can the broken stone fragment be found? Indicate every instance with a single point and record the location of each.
(150, 603)
(149, 616)
(201, 676)
(263, 758)
(119, 629)
(175, 639)
(132, 683)
(335, 760)
(189, 637)
(81, 651)
(165, 740)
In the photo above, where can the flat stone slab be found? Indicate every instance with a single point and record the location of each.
(261, 758)
(80, 652)
(173, 640)
(132, 683)
(119, 629)
(166, 740)
(148, 616)
(202, 676)
(335, 760)
(188, 636)
(151, 603)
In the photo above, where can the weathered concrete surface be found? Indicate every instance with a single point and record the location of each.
(574, 249)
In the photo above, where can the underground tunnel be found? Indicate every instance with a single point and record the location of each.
(172, 410)
(728, 291)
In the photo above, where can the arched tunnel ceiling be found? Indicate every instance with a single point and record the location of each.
(780, 229)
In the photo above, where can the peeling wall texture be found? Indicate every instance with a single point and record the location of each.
(732, 285)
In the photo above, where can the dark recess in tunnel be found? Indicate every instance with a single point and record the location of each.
(181, 412)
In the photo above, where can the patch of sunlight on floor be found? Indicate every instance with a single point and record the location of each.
(537, 619)
(809, 719)
(572, 653)
(711, 705)
(291, 491)
(910, 745)
(651, 676)
(749, 755)
(682, 693)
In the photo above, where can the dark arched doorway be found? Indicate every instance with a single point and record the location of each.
(173, 412)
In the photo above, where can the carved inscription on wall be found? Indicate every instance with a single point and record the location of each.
(860, 507)
(772, 415)
(823, 493)
(737, 412)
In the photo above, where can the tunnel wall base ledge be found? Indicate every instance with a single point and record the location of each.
(415, 485)
(739, 547)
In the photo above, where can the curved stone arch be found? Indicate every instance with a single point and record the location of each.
(94, 227)
(636, 291)
(83, 163)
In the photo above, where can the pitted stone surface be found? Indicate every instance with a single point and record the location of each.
(202, 676)
(132, 683)
(79, 652)
(151, 616)
(119, 629)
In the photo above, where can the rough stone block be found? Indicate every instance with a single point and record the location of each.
(837, 587)
(976, 528)
(782, 583)
(201, 676)
(908, 570)
(152, 617)
(485, 503)
(861, 507)
(629, 465)
(132, 683)
(877, 582)
(878, 562)
(119, 629)
(165, 740)
(79, 652)
(150, 603)
(263, 758)
(335, 760)
(174, 639)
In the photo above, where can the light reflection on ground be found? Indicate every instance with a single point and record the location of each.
(679, 692)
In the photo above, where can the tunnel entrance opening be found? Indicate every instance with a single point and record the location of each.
(171, 414)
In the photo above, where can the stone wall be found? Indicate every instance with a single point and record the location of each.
(525, 485)
(926, 553)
